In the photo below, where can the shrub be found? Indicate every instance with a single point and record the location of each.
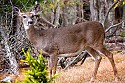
(38, 72)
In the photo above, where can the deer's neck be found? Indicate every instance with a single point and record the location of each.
(32, 34)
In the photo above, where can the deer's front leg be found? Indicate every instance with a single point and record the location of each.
(53, 64)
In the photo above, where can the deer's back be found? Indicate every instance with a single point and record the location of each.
(73, 38)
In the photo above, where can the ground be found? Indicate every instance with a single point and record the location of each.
(82, 73)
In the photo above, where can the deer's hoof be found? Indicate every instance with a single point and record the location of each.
(117, 79)
(92, 80)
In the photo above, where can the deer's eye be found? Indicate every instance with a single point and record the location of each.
(32, 16)
(24, 16)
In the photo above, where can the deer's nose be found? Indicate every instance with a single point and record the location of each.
(30, 22)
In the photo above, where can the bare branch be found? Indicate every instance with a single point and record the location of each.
(109, 11)
(113, 26)
(47, 22)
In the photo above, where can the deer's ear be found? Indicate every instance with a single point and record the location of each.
(16, 9)
(36, 9)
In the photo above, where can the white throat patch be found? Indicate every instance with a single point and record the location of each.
(26, 27)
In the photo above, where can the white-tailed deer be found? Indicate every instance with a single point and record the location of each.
(69, 40)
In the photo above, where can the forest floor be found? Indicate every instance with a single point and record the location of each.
(82, 73)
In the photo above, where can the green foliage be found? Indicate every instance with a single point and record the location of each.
(25, 4)
(120, 3)
(38, 72)
(22, 4)
(49, 5)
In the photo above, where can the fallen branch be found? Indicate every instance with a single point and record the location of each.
(112, 35)
(77, 59)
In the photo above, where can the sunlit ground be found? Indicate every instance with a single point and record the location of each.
(82, 74)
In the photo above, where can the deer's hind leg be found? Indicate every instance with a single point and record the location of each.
(97, 59)
(109, 55)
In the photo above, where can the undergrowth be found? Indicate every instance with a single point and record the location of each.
(38, 72)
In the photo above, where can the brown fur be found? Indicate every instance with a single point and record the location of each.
(68, 39)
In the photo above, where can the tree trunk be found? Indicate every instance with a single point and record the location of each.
(111, 16)
(123, 17)
(69, 13)
(94, 8)
(13, 63)
(80, 13)
(64, 16)
(102, 11)
(55, 14)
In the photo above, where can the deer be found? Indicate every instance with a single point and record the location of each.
(68, 41)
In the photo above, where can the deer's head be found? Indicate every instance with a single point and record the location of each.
(27, 17)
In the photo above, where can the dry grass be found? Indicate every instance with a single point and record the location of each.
(82, 74)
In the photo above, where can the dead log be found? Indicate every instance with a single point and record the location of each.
(80, 57)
